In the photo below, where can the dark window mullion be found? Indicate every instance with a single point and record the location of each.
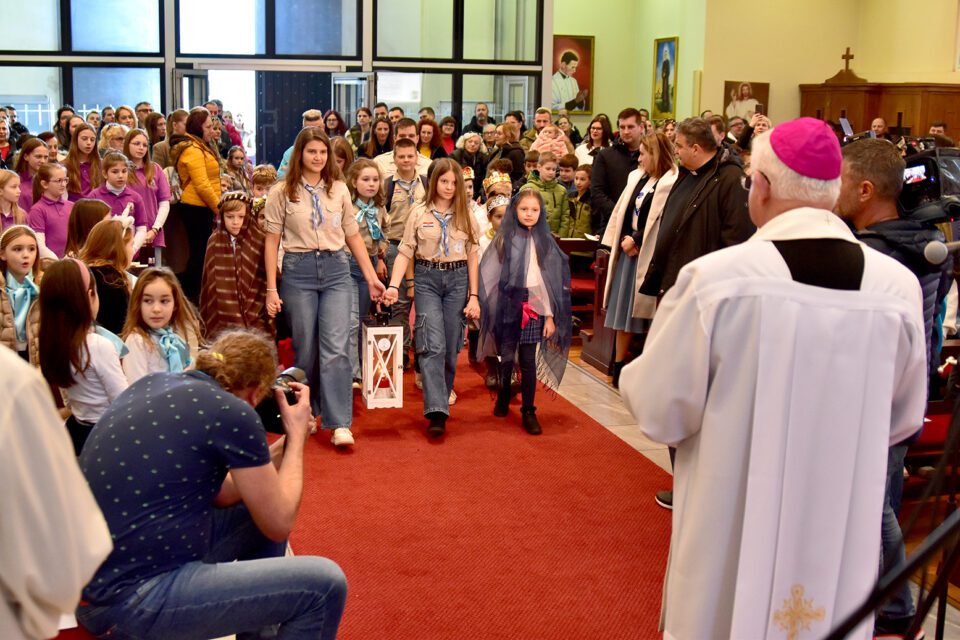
(270, 28)
(458, 17)
(66, 27)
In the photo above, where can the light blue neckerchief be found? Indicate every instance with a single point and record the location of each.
(369, 212)
(114, 339)
(410, 187)
(444, 238)
(174, 349)
(316, 215)
(22, 295)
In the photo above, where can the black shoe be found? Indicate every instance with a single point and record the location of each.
(890, 628)
(438, 424)
(502, 406)
(528, 417)
(664, 499)
(617, 368)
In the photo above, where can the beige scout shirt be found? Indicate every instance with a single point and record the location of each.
(388, 167)
(400, 207)
(422, 237)
(373, 247)
(294, 219)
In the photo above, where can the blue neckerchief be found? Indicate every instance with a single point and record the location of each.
(316, 215)
(173, 348)
(444, 238)
(21, 295)
(114, 339)
(410, 187)
(369, 212)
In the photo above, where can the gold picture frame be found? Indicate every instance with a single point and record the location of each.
(666, 53)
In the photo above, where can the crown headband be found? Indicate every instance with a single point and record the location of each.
(235, 195)
(494, 178)
(497, 201)
(468, 173)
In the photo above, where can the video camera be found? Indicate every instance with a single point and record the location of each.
(931, 186)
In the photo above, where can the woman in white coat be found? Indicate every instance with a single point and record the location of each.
(631, 235)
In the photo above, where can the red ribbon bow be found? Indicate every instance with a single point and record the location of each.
(528, 315)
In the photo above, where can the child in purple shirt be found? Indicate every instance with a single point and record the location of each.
(51, 212)
(118, 196)
(83, 163)
(150, 182)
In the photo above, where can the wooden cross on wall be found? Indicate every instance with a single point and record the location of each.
(847, 57)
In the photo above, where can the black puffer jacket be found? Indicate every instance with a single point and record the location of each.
(904, 241)
(715, 217)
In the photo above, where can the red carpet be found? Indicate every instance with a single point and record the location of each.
(488, 533)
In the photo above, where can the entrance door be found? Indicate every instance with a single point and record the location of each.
(191, 88)
(352, 91)
(282, 97)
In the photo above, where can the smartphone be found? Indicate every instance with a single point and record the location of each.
(759, 109)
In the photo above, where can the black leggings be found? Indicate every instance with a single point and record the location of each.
(78, 433)
(527, 356)
(198, 225)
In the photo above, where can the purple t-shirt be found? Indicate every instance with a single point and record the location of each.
(73, 196)
(26, 192)
(152, 196)
(118, 203)
(50, 217)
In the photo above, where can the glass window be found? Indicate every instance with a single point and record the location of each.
(299, 36)
(129, 26)
(500, 93)
(211, 28)
(43, 18)
(414, 29)
(502, 30)
(411, 91)
(35, 92)
(97, 86)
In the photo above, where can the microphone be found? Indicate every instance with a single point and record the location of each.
(936, 252)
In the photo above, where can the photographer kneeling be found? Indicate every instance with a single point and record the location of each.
(181, 469)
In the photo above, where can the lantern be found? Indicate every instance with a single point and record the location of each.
(382, 365)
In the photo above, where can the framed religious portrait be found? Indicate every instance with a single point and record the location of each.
(572, 82)
(665, 51)
(741, 99)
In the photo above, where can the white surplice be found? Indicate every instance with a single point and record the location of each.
(782, 399)
(52, 534)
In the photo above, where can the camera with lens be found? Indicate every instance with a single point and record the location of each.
(283, 381)
(931, 186)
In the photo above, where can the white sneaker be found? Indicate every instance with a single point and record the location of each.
(453, 398)
(342, 437)
(418, 380)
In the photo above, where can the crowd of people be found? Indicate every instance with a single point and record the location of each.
(136, 244)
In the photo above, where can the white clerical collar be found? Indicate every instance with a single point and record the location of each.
(804, 223)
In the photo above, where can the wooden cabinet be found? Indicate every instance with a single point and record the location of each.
(920, 104)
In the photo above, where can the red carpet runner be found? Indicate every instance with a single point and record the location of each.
(489, 533)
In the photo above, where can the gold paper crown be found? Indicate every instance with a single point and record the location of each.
(468, 173)
(494, 178)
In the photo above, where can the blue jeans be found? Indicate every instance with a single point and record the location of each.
(901, 605)
(359, 311)
(305, 595)
(399, 310)
(440, 298)
(317, 295)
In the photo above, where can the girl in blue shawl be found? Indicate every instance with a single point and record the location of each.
(525, 302)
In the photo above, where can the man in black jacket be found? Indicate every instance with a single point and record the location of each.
(871, 180)
(480, 119)
(705, 211)
(612, 165)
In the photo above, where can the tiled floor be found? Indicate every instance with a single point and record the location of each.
(602, 402)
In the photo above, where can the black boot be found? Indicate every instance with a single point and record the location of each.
(438, 424)
(528, 417)
(502, 406)
(617, 368)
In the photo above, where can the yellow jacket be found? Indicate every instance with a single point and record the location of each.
(199, 172)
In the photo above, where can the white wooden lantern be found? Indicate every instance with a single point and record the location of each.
(382, 366)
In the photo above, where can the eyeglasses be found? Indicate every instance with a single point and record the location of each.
(747, 181)
(60, 181)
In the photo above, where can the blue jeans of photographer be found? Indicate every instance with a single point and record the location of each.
(217, 597)
(317, 294)
(440, 298)
(361, 297)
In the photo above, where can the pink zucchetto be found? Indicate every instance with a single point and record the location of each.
(809, 147)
